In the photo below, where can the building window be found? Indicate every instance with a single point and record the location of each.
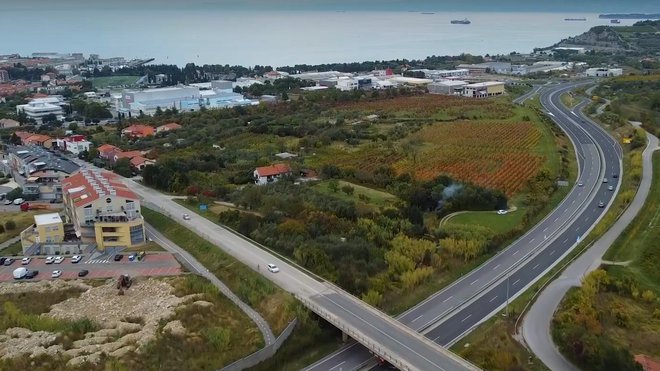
(108, 200)
(109, 208)
(137, 234)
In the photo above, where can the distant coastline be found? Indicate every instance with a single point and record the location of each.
(630, 16)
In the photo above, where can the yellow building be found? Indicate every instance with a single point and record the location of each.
(484, 89)
(103, 210)
(47, 228)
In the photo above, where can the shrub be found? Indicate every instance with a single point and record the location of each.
(2, 229)
(10, 225)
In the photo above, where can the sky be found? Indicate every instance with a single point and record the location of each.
(592, 6)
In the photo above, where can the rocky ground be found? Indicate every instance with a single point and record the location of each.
(128, 322)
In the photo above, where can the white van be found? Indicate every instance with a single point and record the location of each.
(18, 201)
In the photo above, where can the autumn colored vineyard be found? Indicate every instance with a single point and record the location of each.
(492, 154)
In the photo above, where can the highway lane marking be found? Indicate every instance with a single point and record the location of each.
(448, 298)
(566, 240)
(464, 319)
(532, 240)
(497, 266)
(473, 282)
(418, 317)
(518, 280)
(552, 252)
(546, 228)
(491, 300)
(517, 251)
(338, 365)
(534, 267)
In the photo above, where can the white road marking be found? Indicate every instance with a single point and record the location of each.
(464, 319)
(473, 282)
(448, 298)
(418, 317)
(534, 267)
(338, 365)
(491, 300)
(517, 251)
(497, 266)
(552, 252)
(545, 229)
(518, 280)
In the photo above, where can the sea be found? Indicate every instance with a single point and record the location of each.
(278, 38)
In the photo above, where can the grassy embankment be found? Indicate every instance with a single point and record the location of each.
(495, 335)
(113, 81)
(218, 334)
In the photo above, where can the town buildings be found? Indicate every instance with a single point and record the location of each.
(172, 126)
(103, 210)
(604, 72)
(74, 144)
(138, 131)
(4, 76)
(9, 123)
(39, 108)
(483, 89)
(47, 228)
(447, 87)
(269, 174)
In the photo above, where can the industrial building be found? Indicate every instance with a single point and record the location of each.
(103, 210)
(484, 89)
(182, 98)
(443, 74)
(487, 67)
(38, 108)
(604, 72)
(448, 87)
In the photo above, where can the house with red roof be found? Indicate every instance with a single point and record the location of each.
(168, 127)
(102, 209)
(139, 162)
(138, 131)
(129, 155)
(107, 151)
(269, 174)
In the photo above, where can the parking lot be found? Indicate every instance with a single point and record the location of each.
(153, 264)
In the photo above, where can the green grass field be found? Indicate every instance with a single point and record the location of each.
(109, 81)
(498, 223)
(367, 195)
(22, 220)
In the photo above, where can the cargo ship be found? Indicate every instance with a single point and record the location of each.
(575, 19)
(615, 21)
(461, 21)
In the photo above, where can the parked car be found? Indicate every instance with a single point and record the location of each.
(2, 261)
(118, 257)
(32, 274)
(8, 261)
(59, 259)
(273, 268)
(50, 260)
(131, 257)
(501, 212)
(18, 201)
(26, 261)
(56, 274)
(83, 273)
(76, 258)
(7, 202)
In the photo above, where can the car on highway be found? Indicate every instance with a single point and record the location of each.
(50, 260)
(8, 261)
(58, 260)
(501, 212)
(186, 217)
(615, 175)
(610, 188)
(118, 257)
(32, 274)
(601, 204)
(76, 258)
(580, 184)
(26, 261)
(273, 268)
(83, 273)
(604, 180)
(56, 274)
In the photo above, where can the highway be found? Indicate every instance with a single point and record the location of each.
(452, 312)
(382, 334)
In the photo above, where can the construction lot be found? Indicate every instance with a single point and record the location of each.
(153, 264)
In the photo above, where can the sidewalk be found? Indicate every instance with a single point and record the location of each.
(536, 324)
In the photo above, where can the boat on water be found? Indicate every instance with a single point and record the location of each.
(615, 21)
(461, 21)
(575, 19)
(428, 13)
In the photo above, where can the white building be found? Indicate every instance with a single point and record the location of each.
(269, 174)
(74, 144)
(38, 108)
(484, 89)
(449, 87)
(442, 74)
(604, 72)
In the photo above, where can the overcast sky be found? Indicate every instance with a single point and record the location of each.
(591, 6)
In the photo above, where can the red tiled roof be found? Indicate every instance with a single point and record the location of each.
(168, 127)
(139, 130)
(106, 148)
(129, 155)
(138, 160)
(80, 187)
(648, 363)
(36, 139)
(276, 169)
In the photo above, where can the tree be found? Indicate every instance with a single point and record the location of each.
(348, 189)
(14, 194)
(285, 96)
(73, 126)
(10, 225)
(333, 185)
(123, 167)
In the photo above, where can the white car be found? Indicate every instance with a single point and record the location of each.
(580, 184)
(26, 261)
(273, 268)
(186, 217)
(50, 260)
(18, 201)
(7, 202)
(56, 274)
(58, 260)
(76, 258)
(501, 212)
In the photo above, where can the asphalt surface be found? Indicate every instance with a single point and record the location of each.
(536, 324)
(384, 335)
(452, 312)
